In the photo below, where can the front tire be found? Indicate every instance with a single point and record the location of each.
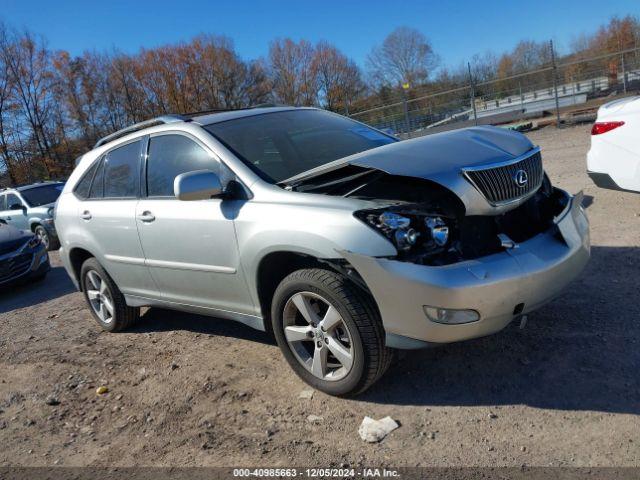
(45, 238)
(329, 331)
(105, 300)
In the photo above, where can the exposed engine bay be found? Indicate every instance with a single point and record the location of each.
(427, 222)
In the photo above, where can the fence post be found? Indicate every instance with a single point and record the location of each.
(405, 87)
(555, 82)
(521, 100)
(473, 95)
(624, 74)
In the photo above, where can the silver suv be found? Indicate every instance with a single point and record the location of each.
(30, 207)
(343, 241)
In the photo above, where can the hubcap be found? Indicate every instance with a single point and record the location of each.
(318, 336)
(99, 296)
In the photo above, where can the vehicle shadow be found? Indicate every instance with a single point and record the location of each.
(161, 320)
(56, 284)
(581, 352)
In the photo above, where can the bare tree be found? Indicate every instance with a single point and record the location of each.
(405, 56)
(29, 64)
(291, 71)
(338, 78)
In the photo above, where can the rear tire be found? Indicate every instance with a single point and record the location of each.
(104, 298)
(337, 344)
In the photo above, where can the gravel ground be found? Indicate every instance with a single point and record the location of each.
(187, 390)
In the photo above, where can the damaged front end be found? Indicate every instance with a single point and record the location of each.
(422, 304)
(429, 224)
(481, 235)
(437, 232)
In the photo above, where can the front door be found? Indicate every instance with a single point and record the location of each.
(190, 247)
(15, 212)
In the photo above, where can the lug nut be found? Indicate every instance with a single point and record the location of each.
(319, 344)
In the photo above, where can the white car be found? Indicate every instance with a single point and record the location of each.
(613, 161)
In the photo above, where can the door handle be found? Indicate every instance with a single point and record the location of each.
(146, 217)
(86, 215)
(8, 218)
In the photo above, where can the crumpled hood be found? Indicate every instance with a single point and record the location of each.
(441, 157)
(432, 155)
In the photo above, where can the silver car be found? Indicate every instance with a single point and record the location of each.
(341, 240)
(30, 207)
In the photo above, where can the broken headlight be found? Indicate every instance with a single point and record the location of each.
(408, 229)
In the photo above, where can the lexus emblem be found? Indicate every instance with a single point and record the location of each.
(521, 178)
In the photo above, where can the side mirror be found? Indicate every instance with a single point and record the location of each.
(197, 185)
(16, 206)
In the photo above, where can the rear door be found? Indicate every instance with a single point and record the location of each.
(109, 219)
(190, 247)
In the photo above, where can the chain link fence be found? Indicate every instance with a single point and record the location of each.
(559, 92)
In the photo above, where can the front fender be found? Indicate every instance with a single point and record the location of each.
(262, 229)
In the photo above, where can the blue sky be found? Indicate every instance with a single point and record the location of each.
(457, 29)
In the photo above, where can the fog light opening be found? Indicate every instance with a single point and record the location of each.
(450, 316)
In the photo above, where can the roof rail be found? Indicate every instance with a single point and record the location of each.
(207, 112)
(222, 110)
(164, 119)
(269, 105)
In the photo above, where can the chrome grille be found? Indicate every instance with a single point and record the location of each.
(498, 182)
(15, 266)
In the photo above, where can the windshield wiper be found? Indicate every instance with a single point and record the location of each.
(329, 181)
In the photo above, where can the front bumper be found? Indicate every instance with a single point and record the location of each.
(500, 287)
(23, 265)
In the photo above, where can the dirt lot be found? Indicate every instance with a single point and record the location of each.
(188, 390)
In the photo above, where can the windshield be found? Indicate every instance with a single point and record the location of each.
(43, 195)
(283, 144)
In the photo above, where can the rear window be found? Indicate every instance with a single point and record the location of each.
(280, 145)
(97, 186)
(83, 187)
(122, 171)
(38, 196)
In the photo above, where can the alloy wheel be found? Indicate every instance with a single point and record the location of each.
(99, 296)
(318, 336)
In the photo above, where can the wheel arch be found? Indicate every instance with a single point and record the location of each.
(273, 268)
(34, 223)
(77, 256)
(276, 265)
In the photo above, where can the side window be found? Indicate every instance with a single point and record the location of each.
(3, 202)
(121, 175)
(13, 200)
(171, 155)
(83, 187)
(97, 187)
